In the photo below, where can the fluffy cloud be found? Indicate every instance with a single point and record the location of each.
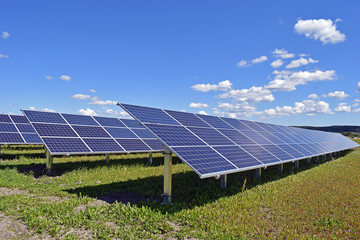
(323, 30)
(87, 111)
(313, 96)
(343, 107)
(282, 53)
(356, 110)
(92, 90)
(304, 107)
(198, 105)
(235, 110)
(80, 96)
(221, 86)
(5, 35)
(117, 113)
(242, 63)
(253, 94)
(202, 112)
(301, 62)
(339, 95)
(277, 63)
(48, 77)
(65, 78)
(260, 59)
(4, 56)
(287, 80)
(42, 109)
(99, 102)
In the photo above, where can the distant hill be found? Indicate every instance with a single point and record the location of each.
(338, 129)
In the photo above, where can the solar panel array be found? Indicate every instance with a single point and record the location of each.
(78, 134)
(215, 145)
(15, 129)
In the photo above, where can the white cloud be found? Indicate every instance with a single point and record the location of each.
(277, 63)
(65, 78)
(235, 110)
(358, 87)
(48, 77)
(339, 95)
(4, 56)
(287, 80)
(343, 107)
(301, 62)
(202, 112)
(80, 96)
(98, 101)
(5, 35)
(253, 94)
(313, 96)
(260, 59)
(42, 109)
(242, 63)
(87, 111)
(304, 107)
(92, 90)
(221, 86)
(357, 110)
(282, 53)
(198, 105)
(117, 113)
(323, 30)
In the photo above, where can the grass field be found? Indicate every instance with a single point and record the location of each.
(317, 201)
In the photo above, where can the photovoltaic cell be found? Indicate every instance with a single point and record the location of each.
(44, 117)
(53, 130)
(143, 133)
(80, 119)
(7, 127)
(109, 122)
(87, 131)
(25, 128)
(120, 132)
(133, 145)
(65, 145)
(5, 118)
(9, 138)
(132, 123)
(155, 144)
(217, 145)
(103, 145)
(19, 119)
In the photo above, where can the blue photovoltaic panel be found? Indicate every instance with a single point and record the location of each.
(175, 135)
(204, 160)
(54, 130)
(120, 132)
(8, 138)
(25, 128)
(5, 118)
(89, 131)
(210, 136)
(80, 119)
(133, 145)
(43, 117)
(132, 123)
(103, 145)
(155, 144)
(109, 122)
(19, 119)
(7, 127)
(151, 115)
(226, 145)
(90, 134)
(188, 119)
(215, 122)
(31, 138)
(65, 145)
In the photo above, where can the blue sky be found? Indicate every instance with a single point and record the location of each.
(283, 62)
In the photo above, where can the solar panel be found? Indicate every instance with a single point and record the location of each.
(15, 129)
(78, 134)
(214, 146)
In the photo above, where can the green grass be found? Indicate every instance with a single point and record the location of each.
(318, 201)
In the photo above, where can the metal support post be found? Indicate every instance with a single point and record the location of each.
(281, 168)
(49, 163)
(258, 173)
(324, 157)
(317, 159)
(296, 164)
(223, 181)
(107, 159)
(167, 177)
(308, 161)
(150, 158)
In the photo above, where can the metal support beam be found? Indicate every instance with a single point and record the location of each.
(223, 181)
(281, 168)
(308, 161)
(150, 158)
(317, 159)
(258, 173)
(107, 159)
(49, 163)
(296, 164)
(167, 177)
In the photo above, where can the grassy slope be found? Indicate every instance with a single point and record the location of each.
(319, 201)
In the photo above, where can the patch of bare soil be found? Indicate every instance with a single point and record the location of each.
(82, 208)
(11, 228)
(126, 197)
(9, 191)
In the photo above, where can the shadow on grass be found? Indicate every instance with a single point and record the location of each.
(188, 190)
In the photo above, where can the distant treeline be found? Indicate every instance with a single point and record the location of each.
(350, 131)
